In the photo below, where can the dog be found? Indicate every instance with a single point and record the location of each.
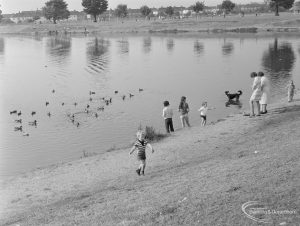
(235, 96)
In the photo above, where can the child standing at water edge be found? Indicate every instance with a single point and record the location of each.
(291, 91)
(203, 111)
(184, 110)
(141, 145)
(168, 114)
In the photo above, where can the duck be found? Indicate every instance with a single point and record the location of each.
(87, 106)
(18, 128)
(34, 123)
(47, 103)
(123, 97)
(91, 99)
(75, 104)
(13, 112)
(140, 90)
(33, 113)
(19, 113)
(53, 91)
(18, 121)
(49, 114)
(91, 92)
(110, 100)
(62, 104)
(116, 91)
(100, 108)
(26, 134)
(72, 120)
(86, 111)
(77, 124)
(130, 95)
(107, 102)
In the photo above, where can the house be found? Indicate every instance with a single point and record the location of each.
(296, 7)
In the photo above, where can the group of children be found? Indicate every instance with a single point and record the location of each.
(141, 144)
(184, 117)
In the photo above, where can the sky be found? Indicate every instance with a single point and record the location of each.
(14, 6)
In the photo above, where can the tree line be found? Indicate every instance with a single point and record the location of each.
(58, 9)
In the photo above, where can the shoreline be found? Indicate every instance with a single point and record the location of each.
(265, 23)
(44, 193)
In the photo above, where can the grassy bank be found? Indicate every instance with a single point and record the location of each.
(286, 22)
(198, 176)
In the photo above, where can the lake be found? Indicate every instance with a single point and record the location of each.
(64, 70)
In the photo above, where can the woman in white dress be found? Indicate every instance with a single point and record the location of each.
(265, 87)
(256, 94)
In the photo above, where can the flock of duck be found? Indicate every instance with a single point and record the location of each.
(106, 100)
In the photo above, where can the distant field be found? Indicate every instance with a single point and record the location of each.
(262, 22)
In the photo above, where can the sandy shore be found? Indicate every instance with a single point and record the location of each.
(286, 22)
(197, 176)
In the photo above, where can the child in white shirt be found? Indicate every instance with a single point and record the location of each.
(203, 111)
(168, 114)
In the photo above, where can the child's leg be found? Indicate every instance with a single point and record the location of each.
(167, 125)
(187, 120)
(171, 125)
(204, 121)
(182, 121)
(143, 166)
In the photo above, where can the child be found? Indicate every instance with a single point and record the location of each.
(203, 110)
(184, 112)
(168, 114)
(291, 91)
(141, 145)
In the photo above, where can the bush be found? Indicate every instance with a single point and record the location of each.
(152, 135)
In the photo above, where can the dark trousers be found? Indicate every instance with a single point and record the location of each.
(169, 125)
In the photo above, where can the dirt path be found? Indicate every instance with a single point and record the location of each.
(198, 176)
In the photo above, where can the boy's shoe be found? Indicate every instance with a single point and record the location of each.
(138, 171)
(143, 173)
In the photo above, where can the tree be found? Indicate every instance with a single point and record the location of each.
(121, 11)
(297, 7)
(94, 7)
(198, 7)
(227, 5)
(169, 11)
(145, 11)
(56, 10)
(287, 4)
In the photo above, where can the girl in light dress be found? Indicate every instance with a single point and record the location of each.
(256, 94)
(291, 91)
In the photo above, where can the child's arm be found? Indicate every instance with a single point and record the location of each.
(132, 150)
(150, 146)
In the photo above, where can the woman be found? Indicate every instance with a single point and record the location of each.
(256, 94)
(184, 110)
(265, 92)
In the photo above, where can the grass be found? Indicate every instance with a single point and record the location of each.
(151, 134)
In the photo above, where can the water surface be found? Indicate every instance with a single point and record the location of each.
(164, 67)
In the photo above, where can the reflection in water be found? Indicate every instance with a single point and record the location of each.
(123, 46)
(97, 55)
(227, 48)
(278, 62)
(198, 48)
(1, 46)
(170, 44)
(236, 103)
(59, 47)
(147, 45)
